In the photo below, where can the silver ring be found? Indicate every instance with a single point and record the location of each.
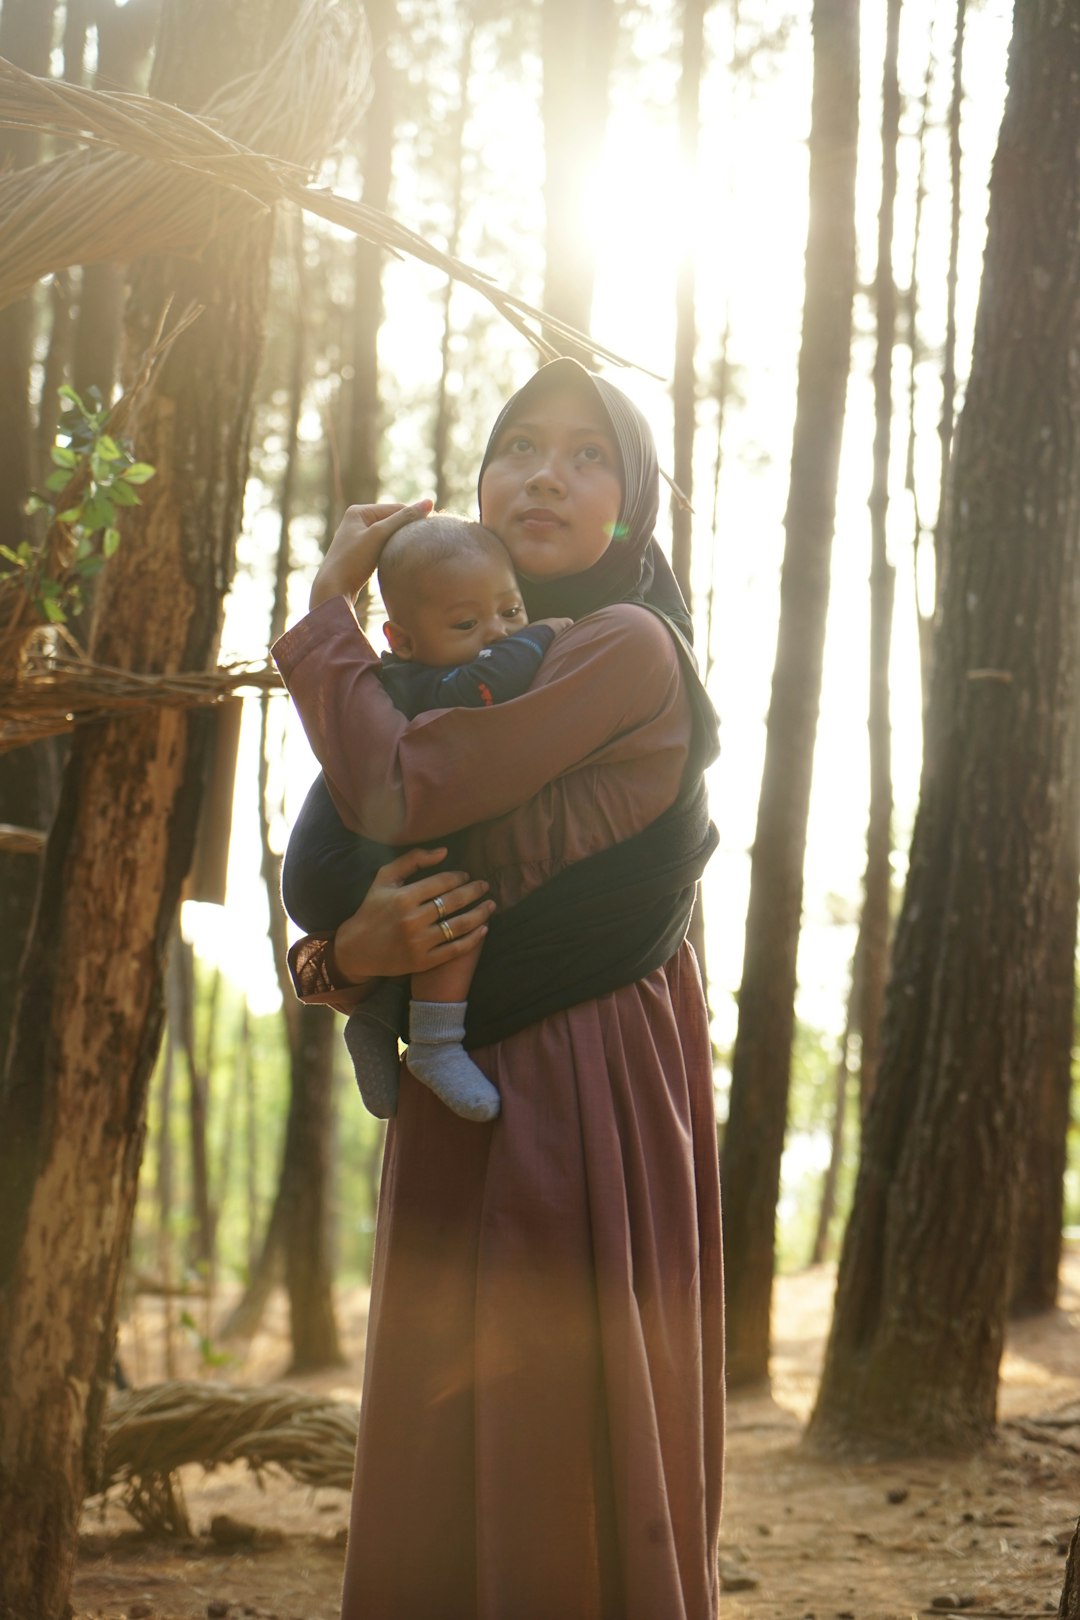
(447, 931)
(440, 906)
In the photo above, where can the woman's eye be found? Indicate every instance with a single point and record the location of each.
(591, 452)
(519, 444)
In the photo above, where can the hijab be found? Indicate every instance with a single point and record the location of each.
(633, 568)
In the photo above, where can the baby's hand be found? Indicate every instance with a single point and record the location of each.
(558, 625)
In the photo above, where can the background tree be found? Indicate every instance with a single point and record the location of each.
(760, 1069)
(73, 1103)
(913, 1355)
(577, 48)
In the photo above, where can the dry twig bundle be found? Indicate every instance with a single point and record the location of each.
(91, 206)
(58, 691)
(150, 1433)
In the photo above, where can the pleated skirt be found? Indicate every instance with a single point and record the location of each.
(541, 1427)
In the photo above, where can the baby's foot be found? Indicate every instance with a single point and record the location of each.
(437, 1058)
(372, 1039)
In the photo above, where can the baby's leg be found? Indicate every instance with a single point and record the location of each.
(436, 1031)
(371, 1036)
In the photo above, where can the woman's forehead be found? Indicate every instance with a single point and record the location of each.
(570, 410)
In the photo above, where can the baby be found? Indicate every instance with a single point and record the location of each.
(458, 639)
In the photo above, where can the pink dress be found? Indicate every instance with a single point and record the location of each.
(541, 1430)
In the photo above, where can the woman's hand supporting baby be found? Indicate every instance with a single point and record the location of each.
(353, 553)
(396, 931)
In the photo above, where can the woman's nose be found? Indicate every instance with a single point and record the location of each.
(548, 478)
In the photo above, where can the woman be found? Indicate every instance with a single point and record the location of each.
(541, 1425)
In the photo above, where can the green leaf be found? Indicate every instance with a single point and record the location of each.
(58, 480)
(108, 449)
(53, 611)
(34, 503)
(140, 472)
(72, 515)
(109, 541)
(6, 551)
(122, 493)
(67, 392)
(63, 457)
(90, 565)
(98, 512)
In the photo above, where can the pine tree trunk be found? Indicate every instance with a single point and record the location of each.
(455, 141)
(913, 1356)
(684, 380)
(25, 37)
(577, 48)
(125, 35)
(72, 1114)
(877, 880)
(363, 413)
(754, 1138)
(1069, 1607)
(1040, 1210)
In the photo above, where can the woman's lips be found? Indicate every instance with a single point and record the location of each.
(540, 520)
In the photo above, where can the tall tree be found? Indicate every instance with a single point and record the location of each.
(362, 426)
(303, 1194)
(1069, 1607)
(754, 1137)
(1037, 1235)
(72, 1108)
(440, 438)
(27, 776)
(873, 946)
(684, 380)
(125, 35)
(916, 1340)
(577, 50)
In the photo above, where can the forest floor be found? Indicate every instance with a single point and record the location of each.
(801, 1539)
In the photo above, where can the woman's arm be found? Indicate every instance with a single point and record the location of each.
(400, 781)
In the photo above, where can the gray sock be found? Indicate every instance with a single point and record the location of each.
(438, 1059)
(371, 1035)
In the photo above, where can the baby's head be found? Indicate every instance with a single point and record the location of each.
(449, 589)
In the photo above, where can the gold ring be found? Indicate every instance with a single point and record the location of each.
(440, 906)
(447, 931)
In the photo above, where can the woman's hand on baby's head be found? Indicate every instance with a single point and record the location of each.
(353, 554)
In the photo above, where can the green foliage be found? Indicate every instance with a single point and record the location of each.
(209, 1358)
(94, 476)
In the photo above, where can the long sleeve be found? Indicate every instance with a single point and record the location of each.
(403, 781)
(494, 676)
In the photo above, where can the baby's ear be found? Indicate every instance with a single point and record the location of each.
(401, 643)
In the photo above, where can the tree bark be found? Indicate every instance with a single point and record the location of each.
(577, 49)
(754, 1138)
(440, 438)
(1040, 1210)
(913, 1356)
(684, 380)
(25, 38)
(1069, 1607)
(877, 880)
(363, 413)
(125, 36)
(72, 1113)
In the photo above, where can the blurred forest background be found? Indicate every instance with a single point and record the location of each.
(776, 210)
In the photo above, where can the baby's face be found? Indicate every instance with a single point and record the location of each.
(468, 603)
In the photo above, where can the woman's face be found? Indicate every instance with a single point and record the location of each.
(551, 490)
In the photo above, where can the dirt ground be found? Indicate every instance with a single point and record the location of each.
(801, 1540)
